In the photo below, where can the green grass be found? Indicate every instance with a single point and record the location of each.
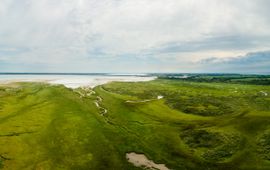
(196, 125)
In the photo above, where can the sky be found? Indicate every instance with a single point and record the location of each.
(135, 36)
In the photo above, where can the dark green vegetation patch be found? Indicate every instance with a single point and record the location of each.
(264, 145)
(201, 138)
(213, 146)
(196, 125)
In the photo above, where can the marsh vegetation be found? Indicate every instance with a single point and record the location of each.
(195, 125)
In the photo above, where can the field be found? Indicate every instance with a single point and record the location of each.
(179, 123)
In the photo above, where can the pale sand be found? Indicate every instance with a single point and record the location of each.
(160, 97)
(140, 160)
(264, 93)
(143, 101)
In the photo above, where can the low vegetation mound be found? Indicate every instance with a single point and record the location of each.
(213, 146)
(263, 142)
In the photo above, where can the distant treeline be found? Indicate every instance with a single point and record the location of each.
(221, 78)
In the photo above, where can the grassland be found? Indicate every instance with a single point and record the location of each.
(196, 125)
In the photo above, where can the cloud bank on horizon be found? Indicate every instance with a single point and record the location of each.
(135, 36)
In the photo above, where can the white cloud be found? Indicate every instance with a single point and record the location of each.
(69, 32)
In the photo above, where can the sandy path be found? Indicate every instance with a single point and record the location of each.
(87, 92)
(143, 101)
(97, 103)
(140, 160)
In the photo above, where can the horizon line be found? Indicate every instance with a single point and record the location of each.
(122, 73)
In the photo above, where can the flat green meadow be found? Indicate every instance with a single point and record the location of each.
(193, 125)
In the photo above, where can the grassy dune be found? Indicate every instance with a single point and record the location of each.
(195, 126)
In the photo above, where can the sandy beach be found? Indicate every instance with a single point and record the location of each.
(73, 81)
